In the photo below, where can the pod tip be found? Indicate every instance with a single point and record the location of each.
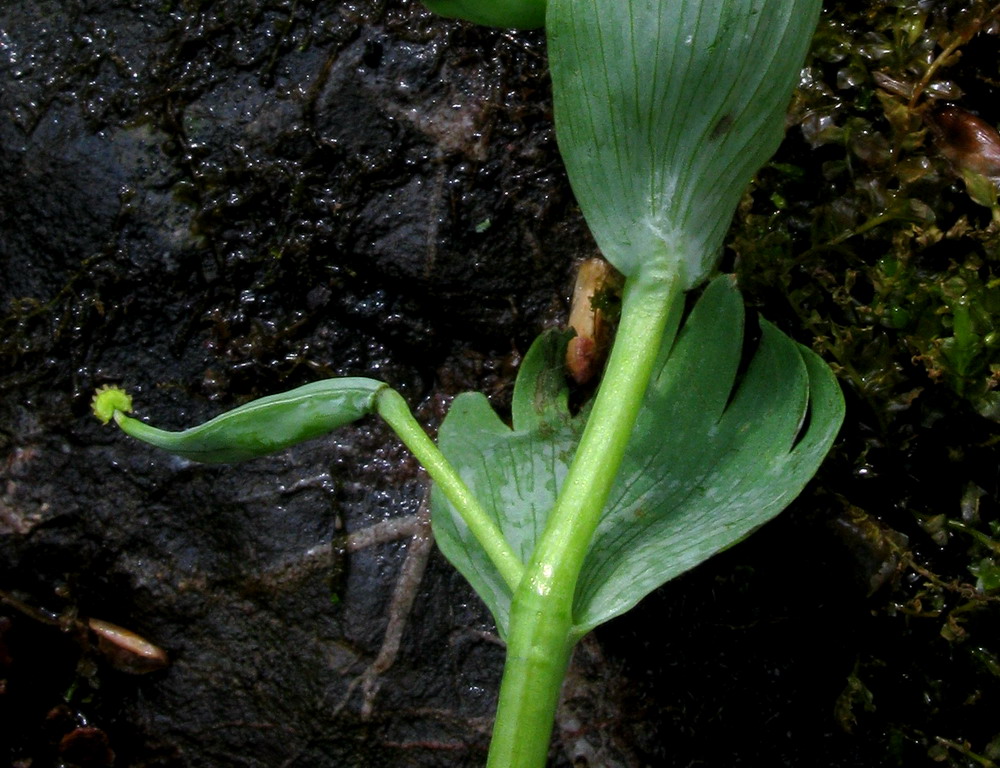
(108, 400)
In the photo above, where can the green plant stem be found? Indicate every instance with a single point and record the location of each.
(542, 635)
(393, 409)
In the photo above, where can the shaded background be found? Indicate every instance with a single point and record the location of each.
(211, 201)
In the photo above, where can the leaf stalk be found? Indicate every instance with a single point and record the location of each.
(393, 409)
(542, 632)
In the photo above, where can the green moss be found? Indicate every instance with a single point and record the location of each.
(870, 236)
(887, 228)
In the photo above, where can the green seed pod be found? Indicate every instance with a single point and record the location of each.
(257, 428)
(514, 14)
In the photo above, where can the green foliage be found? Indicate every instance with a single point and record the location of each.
(714, 454)
(663, 112)
(515, 472)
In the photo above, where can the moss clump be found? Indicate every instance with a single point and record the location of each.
(876, 233)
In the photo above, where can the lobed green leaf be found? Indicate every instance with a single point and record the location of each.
(716, 452)
(713, 456)
(515, 473)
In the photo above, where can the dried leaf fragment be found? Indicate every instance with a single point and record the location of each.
(125, 650)
(586, 352)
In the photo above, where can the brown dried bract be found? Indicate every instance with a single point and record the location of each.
(125, 650)
(587, 351)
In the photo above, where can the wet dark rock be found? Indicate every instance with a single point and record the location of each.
(210, 203)
(86, 747)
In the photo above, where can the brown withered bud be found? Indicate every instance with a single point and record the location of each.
(587, 350)
(970, 143)
(125, 650)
